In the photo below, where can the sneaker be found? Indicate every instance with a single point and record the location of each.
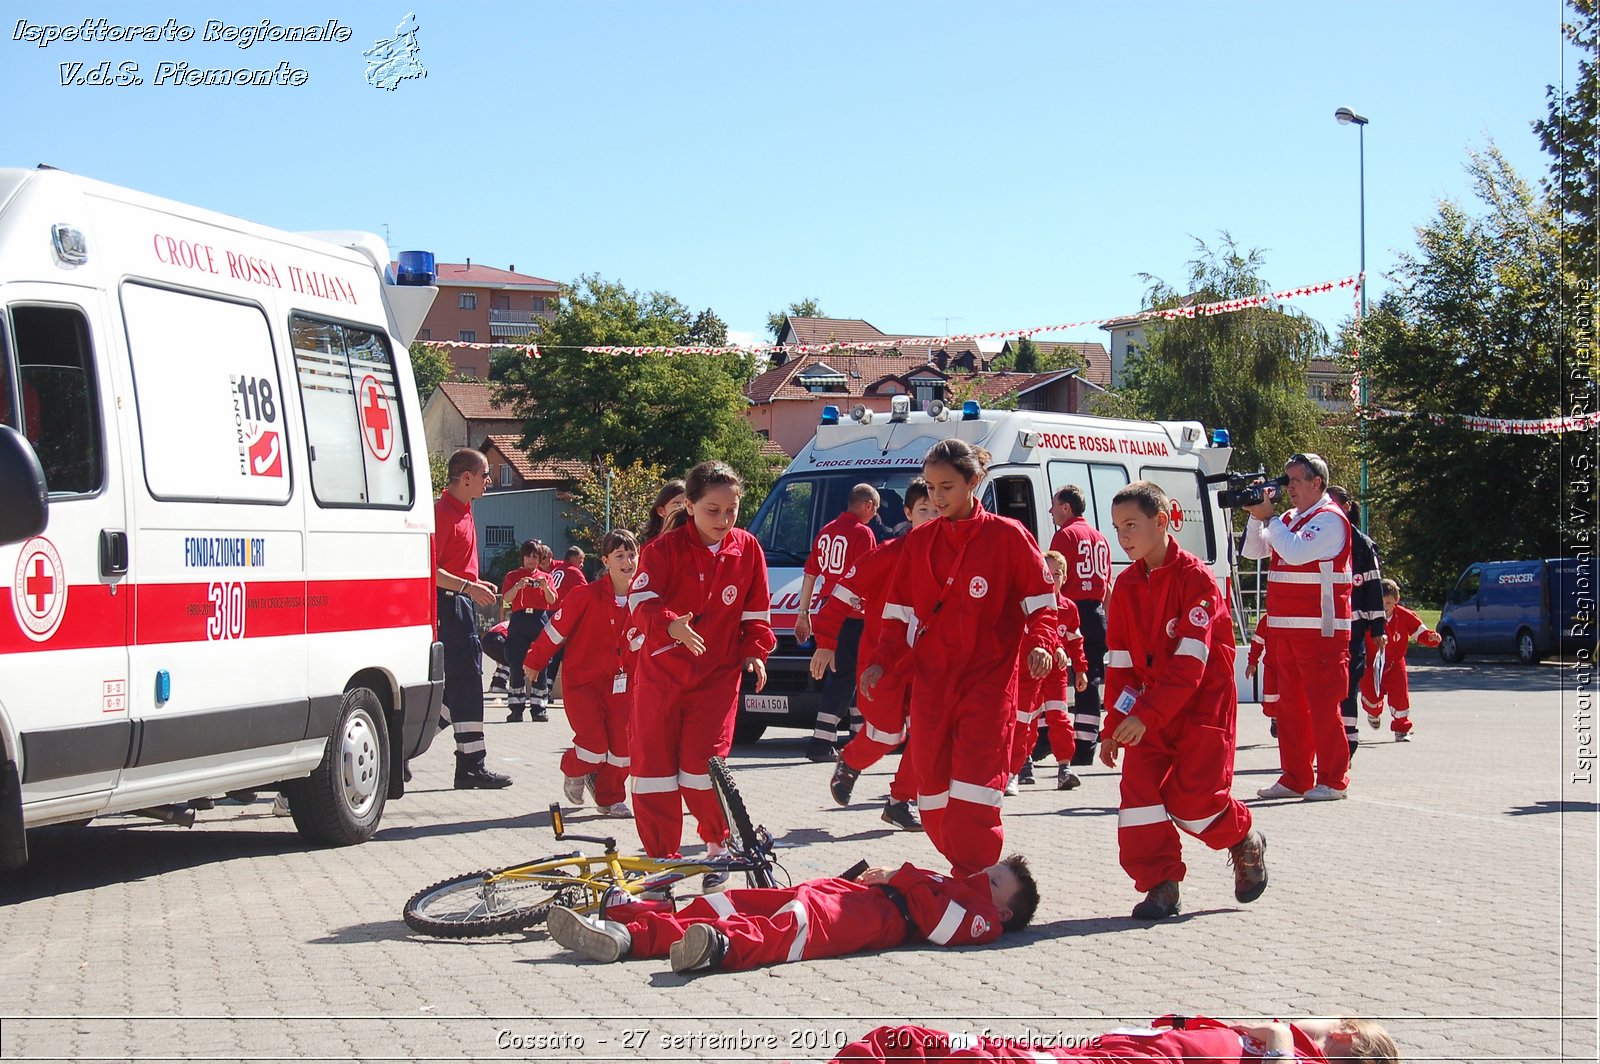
(717, 881)
(539, 716)
(1025, 775)
(1324, 793)
(820, 750)
(1374, 722)
(902, 815)
(1273, 729)
(280, 805)
(1278, 790)
(480, 777)
(702, 948)
(843, 782)
(572, 788)
(588, 936)
(1011, 785)
(1249, 859)
(1402, 737)
(1066, 779)
(1160, 903)
(620, 811)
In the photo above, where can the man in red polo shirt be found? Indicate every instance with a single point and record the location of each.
(455, 559)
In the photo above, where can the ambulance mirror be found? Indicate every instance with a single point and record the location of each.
(27, 508)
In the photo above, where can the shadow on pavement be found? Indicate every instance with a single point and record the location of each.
(531, 819)
(1488, 676)
(385, 931)
(1554, 807)
(795, 838)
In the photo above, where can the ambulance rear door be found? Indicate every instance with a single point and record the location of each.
(64, 630)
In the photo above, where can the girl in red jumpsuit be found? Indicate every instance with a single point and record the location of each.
(1170, 1040)
(1047, 697)
(701, 603)
(969, 590)
(590, 626)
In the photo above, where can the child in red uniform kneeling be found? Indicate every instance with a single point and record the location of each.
(1173, 706)
(591, 622)
(1385, 679)
(819, 918)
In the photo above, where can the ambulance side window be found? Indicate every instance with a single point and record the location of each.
(785, 526)
(7, 384)
(1100, 482)
(1192, 526)
(357, 438)
(60, 396)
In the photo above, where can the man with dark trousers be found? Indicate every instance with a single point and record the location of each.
(1366, 609)
(1088, 557)
(455, 559)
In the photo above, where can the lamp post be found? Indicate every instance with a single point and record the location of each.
(1346, 117)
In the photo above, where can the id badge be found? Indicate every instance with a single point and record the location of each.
(1125, 701)
(619, 683)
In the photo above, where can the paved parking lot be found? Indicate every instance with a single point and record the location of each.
(1453, 896)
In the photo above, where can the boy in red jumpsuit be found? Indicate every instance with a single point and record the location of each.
(1047, 697)
(1170, 1040)
(860, 593)
(701, 602)
(1173, 706)
(819, 918)
(969, 590)
(839, 547)
(1259, 662)
(591, 622)
(1385, 679)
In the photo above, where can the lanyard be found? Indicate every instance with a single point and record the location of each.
(949, 581)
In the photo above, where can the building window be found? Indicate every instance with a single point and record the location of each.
(468, 336)
(538, 304)
(925, 391)
(499, 537)
(505, 475)
(468, 373)
(425, 334)
(467, 301)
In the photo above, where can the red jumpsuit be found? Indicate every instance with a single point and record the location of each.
(965, 596)
(567, 578)
(859, 592)
(1170, 1040)
(589, 625)
(1385, 678)
(684, 705)
(824, 918)
(1171, 658)
(1048, 697)
(1263, 664)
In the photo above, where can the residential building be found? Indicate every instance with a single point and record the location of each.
(462, 414)
(483, 304)
(1328, 385)
(510, 468)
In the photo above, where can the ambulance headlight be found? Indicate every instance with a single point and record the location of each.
(860, 413)
(415, 268)
(1220, 437)
(969, 410)
(830, 415)
(899, 408)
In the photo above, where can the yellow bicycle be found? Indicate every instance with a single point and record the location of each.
(511, 899)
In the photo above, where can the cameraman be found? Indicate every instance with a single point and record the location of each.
(1308, 614)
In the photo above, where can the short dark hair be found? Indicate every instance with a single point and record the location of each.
(916, 491)
(1145, 494)
(466, 460)
(1072, 495)
(530, 546)
(575, 553)
(617, 539)
(1026, 901)
(864, 493)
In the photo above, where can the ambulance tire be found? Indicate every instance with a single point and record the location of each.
(341, 802)
(747, 731)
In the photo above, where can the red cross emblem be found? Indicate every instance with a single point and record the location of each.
(39, 589)
(1177, 515)
(377, 424)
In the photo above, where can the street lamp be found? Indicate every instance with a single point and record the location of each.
(1347, 117)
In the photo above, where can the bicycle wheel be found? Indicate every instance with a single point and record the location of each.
(745, 839)
(479, 905)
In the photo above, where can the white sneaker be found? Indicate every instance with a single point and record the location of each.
(620, 811)
(572, 788)
(713, 882)
(1374, 722)
(1011, 785)
(280, 806)
(588, 936)
(1278, 790)
(1324, 793)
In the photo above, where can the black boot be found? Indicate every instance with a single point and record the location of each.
(472, 774)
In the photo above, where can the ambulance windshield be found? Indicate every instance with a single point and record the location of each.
(801, 503)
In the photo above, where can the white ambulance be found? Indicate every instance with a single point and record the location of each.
(1034, 454)
(232, 587)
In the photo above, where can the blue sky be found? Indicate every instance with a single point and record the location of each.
(1006, 165)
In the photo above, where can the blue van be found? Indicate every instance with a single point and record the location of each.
(1529, 609)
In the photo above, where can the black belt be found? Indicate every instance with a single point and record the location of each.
(899, 899)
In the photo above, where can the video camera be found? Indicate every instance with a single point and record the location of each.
(1249, 489)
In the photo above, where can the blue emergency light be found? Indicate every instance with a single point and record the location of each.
(163, 687)
(969, 410)
(830, 415)
(415, 268)
(1220, 437)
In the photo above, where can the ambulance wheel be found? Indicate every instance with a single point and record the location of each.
(1527, 652)
(748, 731)
(1449, 649)
(341, 802)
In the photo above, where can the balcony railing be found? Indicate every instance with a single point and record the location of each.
(515, 322)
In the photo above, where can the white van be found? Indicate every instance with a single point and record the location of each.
(234, 586)
(1034, 454)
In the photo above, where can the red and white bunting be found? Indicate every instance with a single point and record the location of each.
(1542, 426)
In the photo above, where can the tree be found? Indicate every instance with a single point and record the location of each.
(431, 367)
(623, 493)
(1244, 371)
(1473, 327)
(438, 470)
(668, 410)
(1569, 134)
(1026, 359)
(806, 308)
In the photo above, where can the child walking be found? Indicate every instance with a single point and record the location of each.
(528, 594)
(1047, 697)
(1386, 679)
(1173, 707)
(590, 626)
(701, 603)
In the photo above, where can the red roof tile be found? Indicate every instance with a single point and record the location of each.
(456, 273)
(833, 330)
(473, 400)
(550, 469)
